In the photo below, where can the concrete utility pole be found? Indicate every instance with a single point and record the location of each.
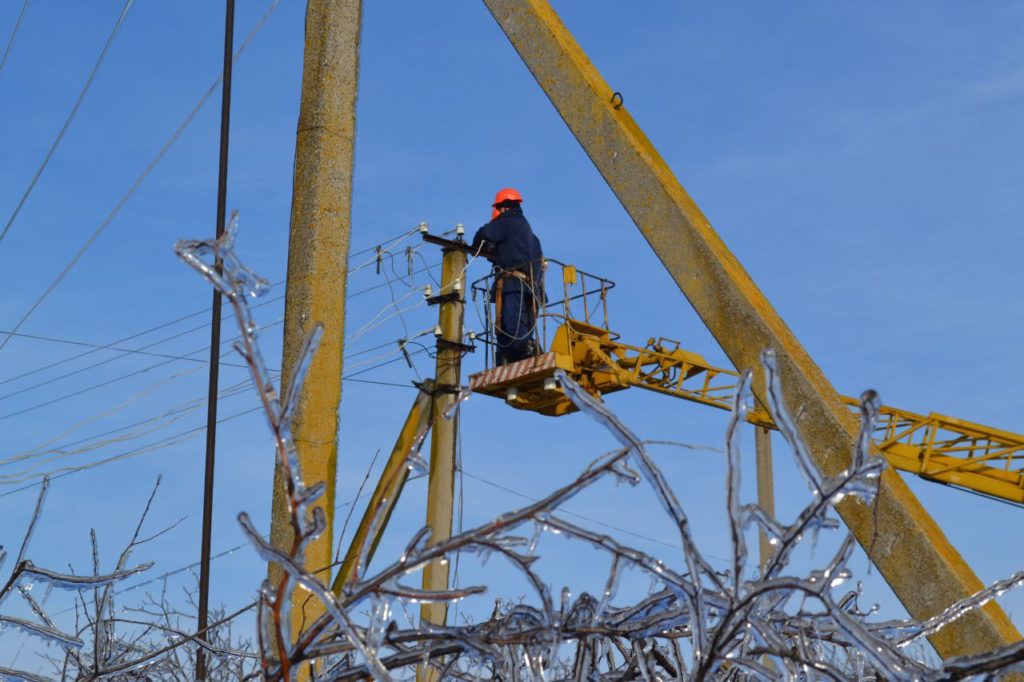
(318, 246)
(765, 485)
(441, 486)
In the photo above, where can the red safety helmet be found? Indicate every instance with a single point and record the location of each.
(507, 194)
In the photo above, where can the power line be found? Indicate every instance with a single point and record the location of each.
(370, 349)
(351, 503)
(162, 444)
(591, 519)
(56, 448)
(167, 442)
(14, 34)
(105, 346)
(109, 346)
(170, 357)
(182, 408)
(173, 572)
(71, 116)
(94, 441)
(378, 383)
(579, 516)
(63, 449)
(351, 376)
(138, 182)
(382, 364)
(95, 346)
(72, 373)
(79, 392)
(386, 244)
(126, 353)
(224, 553)
(179, 437)
(102, 439)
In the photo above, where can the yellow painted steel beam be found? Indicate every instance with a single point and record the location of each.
(911, 551)
(388, 490)
(980, 458)
(963, 473)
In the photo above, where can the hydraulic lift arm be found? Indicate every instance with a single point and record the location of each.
(939, 448)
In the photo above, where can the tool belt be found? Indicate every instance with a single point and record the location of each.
(499, 289)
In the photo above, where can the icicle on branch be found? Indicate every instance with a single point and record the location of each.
(789, 621)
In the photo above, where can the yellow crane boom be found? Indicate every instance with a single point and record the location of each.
(980, 458)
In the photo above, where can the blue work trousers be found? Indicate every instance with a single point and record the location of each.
(516, 328)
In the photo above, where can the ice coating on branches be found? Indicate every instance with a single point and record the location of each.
(784, 421)
(787, 621)
(9, 675)
(25, 575)
(44, 632)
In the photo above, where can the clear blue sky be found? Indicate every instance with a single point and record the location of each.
(862, 160)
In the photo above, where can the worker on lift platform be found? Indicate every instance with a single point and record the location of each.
(518, 277)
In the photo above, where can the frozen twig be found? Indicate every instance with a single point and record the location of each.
(696, 623)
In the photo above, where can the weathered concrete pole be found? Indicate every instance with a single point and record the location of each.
(318, 246)
(441, 485)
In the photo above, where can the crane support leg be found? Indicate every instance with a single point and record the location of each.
(906, 544)
(389, 488)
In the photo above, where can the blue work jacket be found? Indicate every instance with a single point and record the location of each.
(515, 246)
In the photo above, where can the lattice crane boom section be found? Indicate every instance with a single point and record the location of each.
(980, 458)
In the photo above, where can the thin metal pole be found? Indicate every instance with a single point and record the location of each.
(211, 400)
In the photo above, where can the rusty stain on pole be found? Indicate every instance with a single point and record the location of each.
(906, 544)
(318, 247)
